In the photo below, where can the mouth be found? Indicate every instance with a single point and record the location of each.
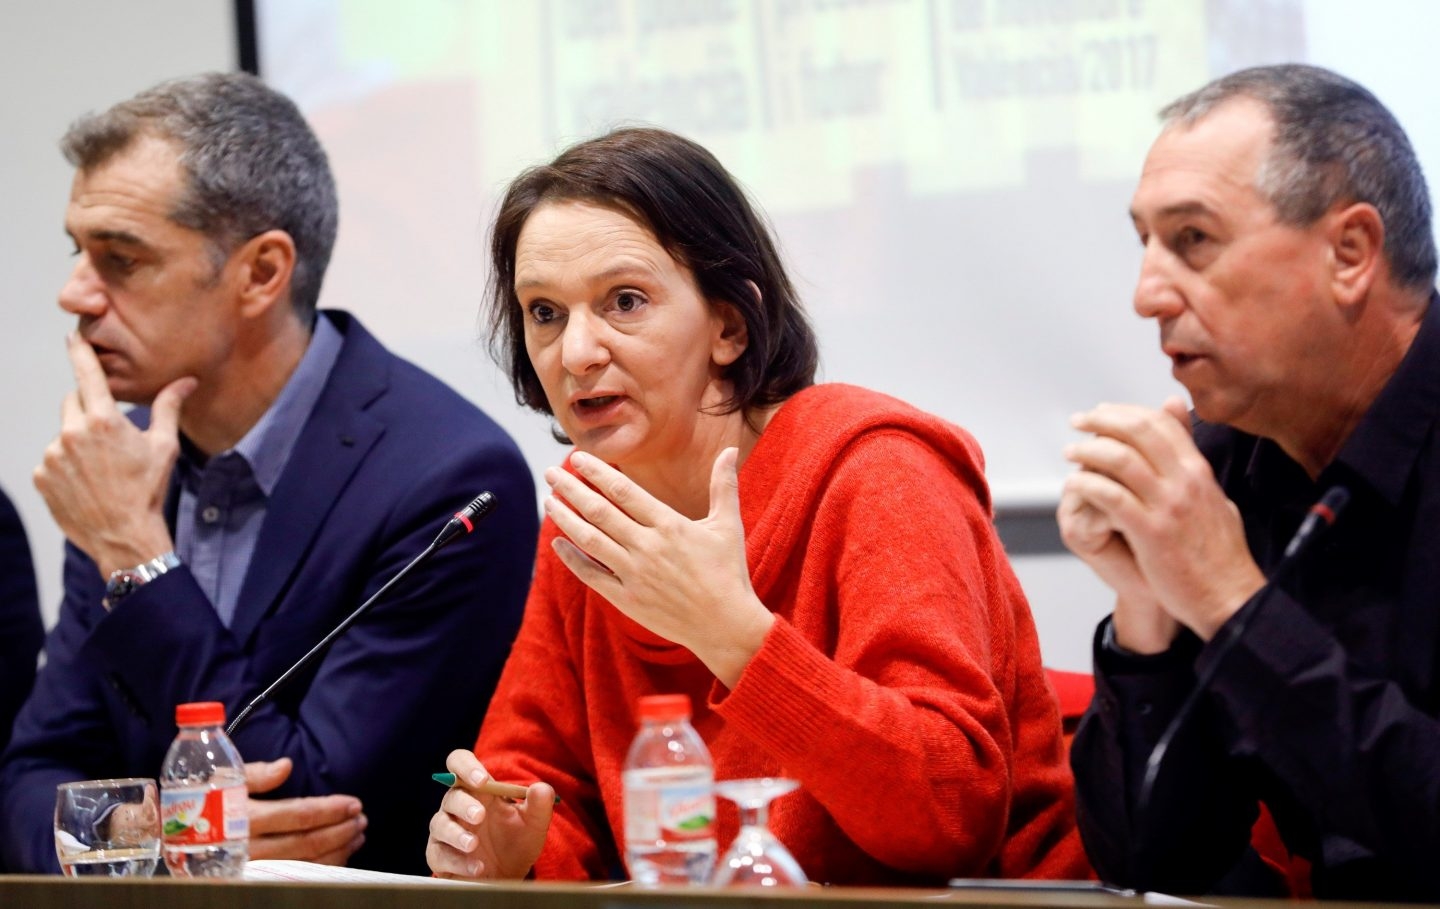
(102, 353)
(599, 402)
(590, 406)
(1179, 356)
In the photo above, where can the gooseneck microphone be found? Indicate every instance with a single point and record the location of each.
(463, 522)
(1320, 517)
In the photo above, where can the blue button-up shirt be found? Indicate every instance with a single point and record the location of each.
(223, 500)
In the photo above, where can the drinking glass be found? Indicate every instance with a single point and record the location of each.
(757, 858)
(108, 827)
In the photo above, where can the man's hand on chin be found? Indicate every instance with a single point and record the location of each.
(103, 479)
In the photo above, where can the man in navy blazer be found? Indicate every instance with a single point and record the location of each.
(284, 466)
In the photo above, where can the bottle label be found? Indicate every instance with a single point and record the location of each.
(200, 816)
(670, 812)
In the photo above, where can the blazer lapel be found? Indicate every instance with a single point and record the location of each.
(336, 438)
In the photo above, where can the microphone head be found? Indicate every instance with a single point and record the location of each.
(479, 507)
(464, 520)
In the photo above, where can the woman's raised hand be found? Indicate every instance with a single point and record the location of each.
(685, 580)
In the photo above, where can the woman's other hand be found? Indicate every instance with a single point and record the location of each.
(478, 835)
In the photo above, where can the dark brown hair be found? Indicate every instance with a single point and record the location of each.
(699, 214)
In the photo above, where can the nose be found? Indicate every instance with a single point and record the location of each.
(1156, 293)
(584, 346)
(83, 294)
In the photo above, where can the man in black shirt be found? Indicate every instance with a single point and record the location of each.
(1290, 266)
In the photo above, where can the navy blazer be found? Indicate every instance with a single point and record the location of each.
(387, 456)
(21, 629)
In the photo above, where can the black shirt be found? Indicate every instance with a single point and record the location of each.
(1325, 709)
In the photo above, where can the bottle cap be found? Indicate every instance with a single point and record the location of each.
(664, 707)
(202, 713)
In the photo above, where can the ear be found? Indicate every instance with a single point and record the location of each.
(1357, 251)
(266, 263)
(733, 335)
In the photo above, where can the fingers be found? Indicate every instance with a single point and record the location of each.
(1083, 528)
(296, 829)
(452, 831)
(266, 776)
(471, 776)
(540, 803)
(725, 486)
(302, 814)
(1111, 501)
(616, 489)
(599, 578)
(444, 852)
(466, 766)
(1176, 407)
(72, 413)
(594, 527)
(1112, 458)
(325, 829)
(331, 846)
(165, 410)
(1156, 435)
(463, 806)
(90, 382)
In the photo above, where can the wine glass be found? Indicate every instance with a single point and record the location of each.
(107, 827)
(757, 858)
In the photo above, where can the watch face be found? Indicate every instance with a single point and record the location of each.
(124, 581)
(118, 588)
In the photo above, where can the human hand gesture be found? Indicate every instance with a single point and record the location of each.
(327, 829)
(103, 479)
(1141, 623)
(1142, 476)
(684, 580)
(479, 835)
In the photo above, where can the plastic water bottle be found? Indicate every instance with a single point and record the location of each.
(669, 797)
(205, 820)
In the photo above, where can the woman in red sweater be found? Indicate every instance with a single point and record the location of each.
(815, 566)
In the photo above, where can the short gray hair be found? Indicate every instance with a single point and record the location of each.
(1334, 142)
(252, 165)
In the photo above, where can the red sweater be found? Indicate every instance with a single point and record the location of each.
(901, 683)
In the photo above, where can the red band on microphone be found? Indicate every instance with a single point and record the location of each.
(1323, 512)
(460, 516)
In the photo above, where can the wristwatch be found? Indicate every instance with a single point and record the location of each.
(124, 581)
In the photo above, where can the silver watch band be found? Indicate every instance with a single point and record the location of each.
(124, 581)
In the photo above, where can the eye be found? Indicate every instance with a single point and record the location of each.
(628, 301)
(120, 263)
(541, 313)
(1189, 237)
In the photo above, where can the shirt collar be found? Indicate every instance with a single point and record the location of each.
(1383, 448)
(267, 446)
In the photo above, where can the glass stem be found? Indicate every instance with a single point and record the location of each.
(754, 814)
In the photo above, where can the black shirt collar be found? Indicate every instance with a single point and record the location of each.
(1383, 448)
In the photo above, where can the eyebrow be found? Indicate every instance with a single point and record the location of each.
(111, 235)
(622, 270)
(1179, 209)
